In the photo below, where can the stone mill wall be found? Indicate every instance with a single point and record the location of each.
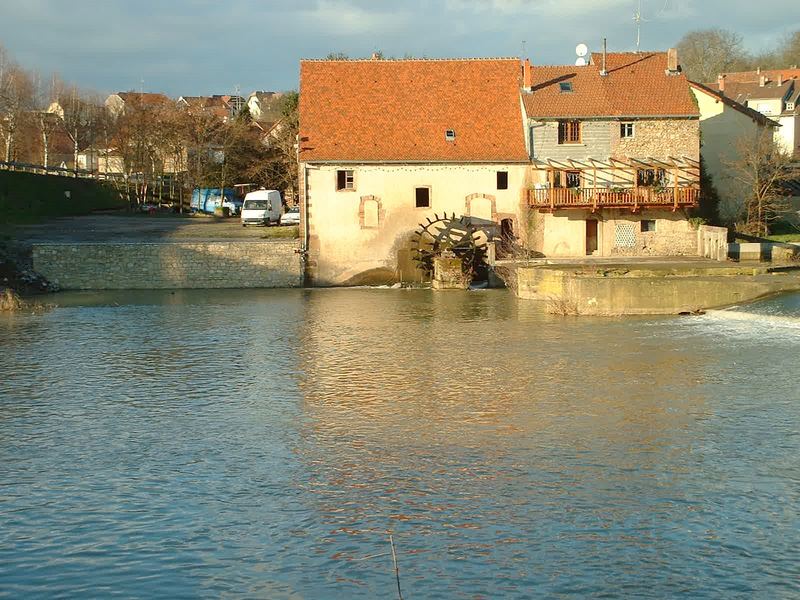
(170, 265)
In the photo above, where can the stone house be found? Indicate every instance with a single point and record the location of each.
(614, 149)
(775, 94)
(600, 160)
(724, 123)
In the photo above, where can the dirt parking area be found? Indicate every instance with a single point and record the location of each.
(144, 227)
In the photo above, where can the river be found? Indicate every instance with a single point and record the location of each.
(263, 444)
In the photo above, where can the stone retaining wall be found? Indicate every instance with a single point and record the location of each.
(630, 290)
(170, 265)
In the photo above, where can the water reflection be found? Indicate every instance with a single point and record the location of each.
(264, 443)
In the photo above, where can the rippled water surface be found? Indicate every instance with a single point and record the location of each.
(262, 444)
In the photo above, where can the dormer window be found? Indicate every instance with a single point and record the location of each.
(790, 106)
(565, 87)
(450, 135)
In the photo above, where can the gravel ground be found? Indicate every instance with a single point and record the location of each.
(103, 228)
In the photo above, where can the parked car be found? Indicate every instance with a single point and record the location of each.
(291, 216)
(261, 207)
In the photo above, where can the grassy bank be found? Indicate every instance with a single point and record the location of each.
(29, 198)
(785, 237)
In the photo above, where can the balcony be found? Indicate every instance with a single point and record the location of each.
(593, 199)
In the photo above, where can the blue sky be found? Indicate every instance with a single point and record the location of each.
(196, 47)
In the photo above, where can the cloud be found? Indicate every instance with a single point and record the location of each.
(348, 18)
(207, 46)
(550, 8)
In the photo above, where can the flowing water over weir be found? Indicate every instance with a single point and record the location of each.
(263, 444)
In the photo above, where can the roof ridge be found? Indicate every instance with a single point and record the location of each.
(398, 60)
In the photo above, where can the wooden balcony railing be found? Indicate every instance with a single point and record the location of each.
(598, 198)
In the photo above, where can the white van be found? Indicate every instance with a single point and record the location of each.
(262, 207)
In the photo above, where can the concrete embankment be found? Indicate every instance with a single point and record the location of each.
(169, 264)
(650, 289)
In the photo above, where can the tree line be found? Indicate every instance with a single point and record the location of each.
(148, 143)
(707, 53)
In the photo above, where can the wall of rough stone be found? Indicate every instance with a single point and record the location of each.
(658, 138)
(170, 265)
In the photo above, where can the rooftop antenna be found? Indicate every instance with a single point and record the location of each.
(523, 48)
(141, 85)
(639, 19)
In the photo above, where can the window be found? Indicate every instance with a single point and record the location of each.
(450, 135)
(569, 132)
(502, 180)
(572, 179)
(647, 225)
(626, 130)
(422, 197)
(790, 106)
(651, 177)
(565, 87)
(345, 180)
(567, 179)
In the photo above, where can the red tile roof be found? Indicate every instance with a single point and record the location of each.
(637, 85)
(399, 110)
(754, 76)
(142, 99)
(752, 90)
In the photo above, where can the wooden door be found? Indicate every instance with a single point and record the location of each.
(591, 236)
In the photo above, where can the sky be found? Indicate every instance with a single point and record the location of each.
(196, 47)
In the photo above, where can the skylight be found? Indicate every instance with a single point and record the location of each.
(566, 87)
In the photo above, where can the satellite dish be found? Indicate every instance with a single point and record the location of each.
(581, 62)
(581, 50)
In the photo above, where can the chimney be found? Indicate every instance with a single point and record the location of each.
(762, 80)
(721, 83)
(758, 71)
(780, 79)
(603, 71)
(527, 76)
(672, 60)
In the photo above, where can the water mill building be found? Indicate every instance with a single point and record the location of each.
(569, 161)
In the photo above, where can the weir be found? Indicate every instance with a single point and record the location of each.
(647, 288)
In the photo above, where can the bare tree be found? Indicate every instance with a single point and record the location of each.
(136, 134)
(82, 114)
(763, 171)
(791, 50)
(16, 100)
(279, 170)
(48, 124)
(706, 53)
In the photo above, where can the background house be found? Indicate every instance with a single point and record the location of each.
(774, 93)
(265, 106)
(116, 103)
(724, 125)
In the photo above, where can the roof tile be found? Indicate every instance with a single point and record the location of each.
(636, 85)
(399, 110)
